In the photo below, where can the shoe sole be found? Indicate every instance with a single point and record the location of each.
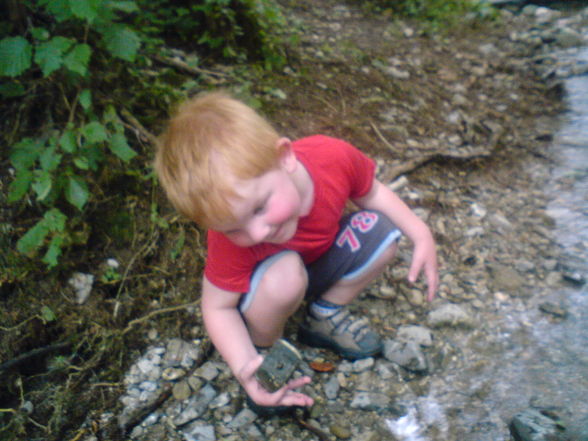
(318, 341)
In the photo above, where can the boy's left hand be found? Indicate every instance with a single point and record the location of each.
(425, 259)
(285, 396)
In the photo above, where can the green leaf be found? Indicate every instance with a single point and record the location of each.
(77, 59)
(42, 185)
(68, 141)
(19, 187)
(48, 314)
(179, 245)
(55, 220)
(58, 8)
(119, 146)
(49, 159)
(25, 152)
(40, 34)
(86, 98)
(94, 133)
(49, 55)
(76, 192)
(124, 6)
(51, 257)
(82, 162)
(121, 41)
(85, 9)
(15, 56)
(12, 89)
(33, 239)
(93, 156)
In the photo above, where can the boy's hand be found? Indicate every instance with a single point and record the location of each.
(425, 259)
(286, 396)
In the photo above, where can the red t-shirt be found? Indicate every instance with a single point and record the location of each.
(339, 172)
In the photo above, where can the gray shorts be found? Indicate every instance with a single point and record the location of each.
(362, 238)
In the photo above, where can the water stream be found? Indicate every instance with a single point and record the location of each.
(532, 360)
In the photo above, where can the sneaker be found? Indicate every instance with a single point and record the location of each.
(350, 336)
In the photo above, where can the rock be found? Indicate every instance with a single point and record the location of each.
(417, 334)
(243, 419)
(82, 285)
(209, 371)
(340, 432)
(406, 354)
(371, 401)
(574, 277)
(198, 431)
(556, 311)
(362, 364)
(566, 37)
(505, 278)
(171, 373)
(533, 425)
(331, 388)
(193, 407)
(450, 315)
(181, 390)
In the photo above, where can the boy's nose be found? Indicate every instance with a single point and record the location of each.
(258, 232)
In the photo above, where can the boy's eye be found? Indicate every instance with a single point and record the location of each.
(259, 210)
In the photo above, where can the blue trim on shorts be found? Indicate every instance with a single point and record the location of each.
(258, 274)
(393, 236)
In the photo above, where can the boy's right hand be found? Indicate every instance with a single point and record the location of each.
(285, 396)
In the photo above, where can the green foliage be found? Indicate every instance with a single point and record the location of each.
(241, 29)
(51, 51)
(439, 14)
(71, 54)
(60, 167)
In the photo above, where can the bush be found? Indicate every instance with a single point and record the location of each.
(68, 64)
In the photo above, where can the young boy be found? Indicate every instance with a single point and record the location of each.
(277, 234)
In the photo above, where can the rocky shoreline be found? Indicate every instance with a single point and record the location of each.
(492, 261)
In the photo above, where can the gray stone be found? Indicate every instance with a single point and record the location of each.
(450, 315)
(417, 334)
(567, 37)
(332, 388)
(208, 371)
(533, 425)
(363, 364)
(506, 278)
(370, 401)
(199, 431)
(181, 390)
(406, 354)
(243, 419)
(196, 405)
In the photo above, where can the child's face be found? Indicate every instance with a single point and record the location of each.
(267, 210)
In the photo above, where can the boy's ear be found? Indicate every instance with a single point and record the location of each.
(287, 157)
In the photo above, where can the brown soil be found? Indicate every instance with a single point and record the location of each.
(338, 82)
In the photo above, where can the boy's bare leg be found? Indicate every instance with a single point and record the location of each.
(278, 296)
(345, 291)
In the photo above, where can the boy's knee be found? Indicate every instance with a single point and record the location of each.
(390, 252)
(285, 281)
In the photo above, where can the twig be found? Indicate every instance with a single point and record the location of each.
(384, 140)
(158, 312)
(124, 277)
(14, 328)
(34, 353)
(185, 67)
(138, 127)
(318, 432)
